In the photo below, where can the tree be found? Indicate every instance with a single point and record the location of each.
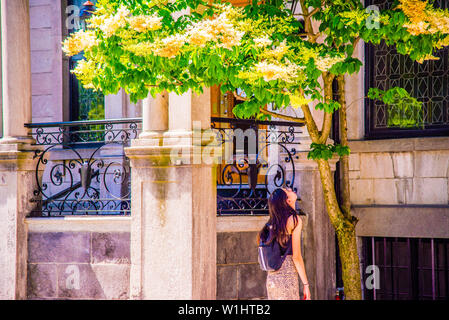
(269, 52)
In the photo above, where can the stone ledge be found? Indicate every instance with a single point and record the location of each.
(240, 223)
(398, 145)
(78, 224)
(402, 221)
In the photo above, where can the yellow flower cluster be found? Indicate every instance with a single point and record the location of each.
(144, 23)
(220, 29)
(424, 19)
(297, 101)
(427, 57)
(277, 53)
(264, 41)
(95, 21)
(277, 71)
(141, 48)
(79, 41)
(199, 37)
(355, 16)
(85, 72)
(443, 42)
(170, 46)
(114, 22)
(325, 63)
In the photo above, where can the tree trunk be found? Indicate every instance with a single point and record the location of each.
(345, 229)
(347, 244)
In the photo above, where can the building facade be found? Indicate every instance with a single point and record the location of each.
(185, 230)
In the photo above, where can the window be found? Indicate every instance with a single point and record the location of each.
(409, 268)
(428, 82)
(84, 104)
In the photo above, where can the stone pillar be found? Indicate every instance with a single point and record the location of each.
(17, 183)
(154, 116)
(173, 229)
(17, 167)
(16, 75)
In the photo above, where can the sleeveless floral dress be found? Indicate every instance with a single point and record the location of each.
(283, 284)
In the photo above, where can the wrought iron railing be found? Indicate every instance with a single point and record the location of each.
(81, 168)
(254, 168)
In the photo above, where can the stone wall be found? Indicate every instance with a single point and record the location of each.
(238, 273)
(399, 172)
(78, 265)
(46, 60)
(96, 251)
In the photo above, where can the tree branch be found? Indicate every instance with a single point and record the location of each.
(311, 124)
(327, 122)
(326, 129)
(281, 116)
(238, 97)
(308, 28)
(344, 165)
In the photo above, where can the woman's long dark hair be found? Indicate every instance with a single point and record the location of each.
(279, 211)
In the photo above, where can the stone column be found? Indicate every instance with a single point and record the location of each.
(17, 167)
(17, 183)
(173, 229)
(154, 116)
(16, 75)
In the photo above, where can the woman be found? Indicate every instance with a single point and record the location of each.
(285, 227)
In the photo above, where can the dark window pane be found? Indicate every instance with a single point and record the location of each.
(428, 82)
(85, 104)
(410, 268)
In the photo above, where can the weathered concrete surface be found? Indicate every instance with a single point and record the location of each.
(101, 260)
(17, 183)
(173, 228)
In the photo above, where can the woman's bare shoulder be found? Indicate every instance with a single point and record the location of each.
(291, 223)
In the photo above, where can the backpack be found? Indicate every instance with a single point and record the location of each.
(270, 255)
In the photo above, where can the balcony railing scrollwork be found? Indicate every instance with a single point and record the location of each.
(261, 159)
(81, 168)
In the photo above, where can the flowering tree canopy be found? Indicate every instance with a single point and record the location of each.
(144, 45)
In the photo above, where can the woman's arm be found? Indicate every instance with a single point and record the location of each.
(297, 256)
